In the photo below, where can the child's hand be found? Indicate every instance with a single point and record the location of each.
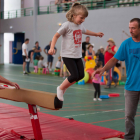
(100, 34)
(51, 51)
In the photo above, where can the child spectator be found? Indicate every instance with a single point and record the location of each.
(36, 61)
(58, 63)
(40, 62)
(96, 79)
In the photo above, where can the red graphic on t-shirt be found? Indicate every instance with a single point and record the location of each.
(77, 35)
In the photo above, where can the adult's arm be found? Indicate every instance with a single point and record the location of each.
(115, 50)
(31, 56)
(40, 50)
(25, 53)
(106, 49)
(5, 81)
(45, 51)
(112, 62)
(93, 54)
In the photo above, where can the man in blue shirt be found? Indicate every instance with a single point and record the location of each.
(37, 50)
(50, 57)
(129, 52)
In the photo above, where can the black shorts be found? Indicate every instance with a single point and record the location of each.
(23, 57)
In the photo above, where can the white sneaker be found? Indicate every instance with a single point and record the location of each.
(50, 69)
(94, 99)
(99, 99)
(60, 94)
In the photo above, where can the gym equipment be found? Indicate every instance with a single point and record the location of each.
(33, 98)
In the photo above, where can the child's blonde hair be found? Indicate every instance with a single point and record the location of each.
(76, 9)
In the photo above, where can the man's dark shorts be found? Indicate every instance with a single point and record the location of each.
(50, 58)
(23, 57)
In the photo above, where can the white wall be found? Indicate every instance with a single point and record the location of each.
(109, 21)
(7, 38)
(30, 3)
(12, 5)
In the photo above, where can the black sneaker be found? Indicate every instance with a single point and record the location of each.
(25, 73)
(29, 72)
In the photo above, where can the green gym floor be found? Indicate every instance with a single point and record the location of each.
(78, 102)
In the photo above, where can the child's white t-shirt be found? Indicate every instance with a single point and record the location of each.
(40, 62)
(71, 45)
(58, 64)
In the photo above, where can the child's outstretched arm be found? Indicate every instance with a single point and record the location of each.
(100, 34)
(54, 40)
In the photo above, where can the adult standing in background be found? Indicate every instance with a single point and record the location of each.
(84, 47)
(25, 54)
(37, 50)
(110, 51)
(101, 55)
(30, 57)
(50, 57)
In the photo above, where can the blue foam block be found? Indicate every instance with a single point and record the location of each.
(104, 96)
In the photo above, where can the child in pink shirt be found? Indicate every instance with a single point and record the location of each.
(96, 79)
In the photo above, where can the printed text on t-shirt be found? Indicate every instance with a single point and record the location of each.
(77, 35)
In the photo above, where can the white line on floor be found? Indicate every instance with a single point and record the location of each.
(95, 113)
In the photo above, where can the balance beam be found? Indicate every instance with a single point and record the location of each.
(32, 98)
(43, 99)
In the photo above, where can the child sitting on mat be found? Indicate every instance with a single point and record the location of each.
(58, 63)
(36, 61)
(96, 79)
(40, 62)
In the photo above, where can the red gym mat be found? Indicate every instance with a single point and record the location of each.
(15, 123)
